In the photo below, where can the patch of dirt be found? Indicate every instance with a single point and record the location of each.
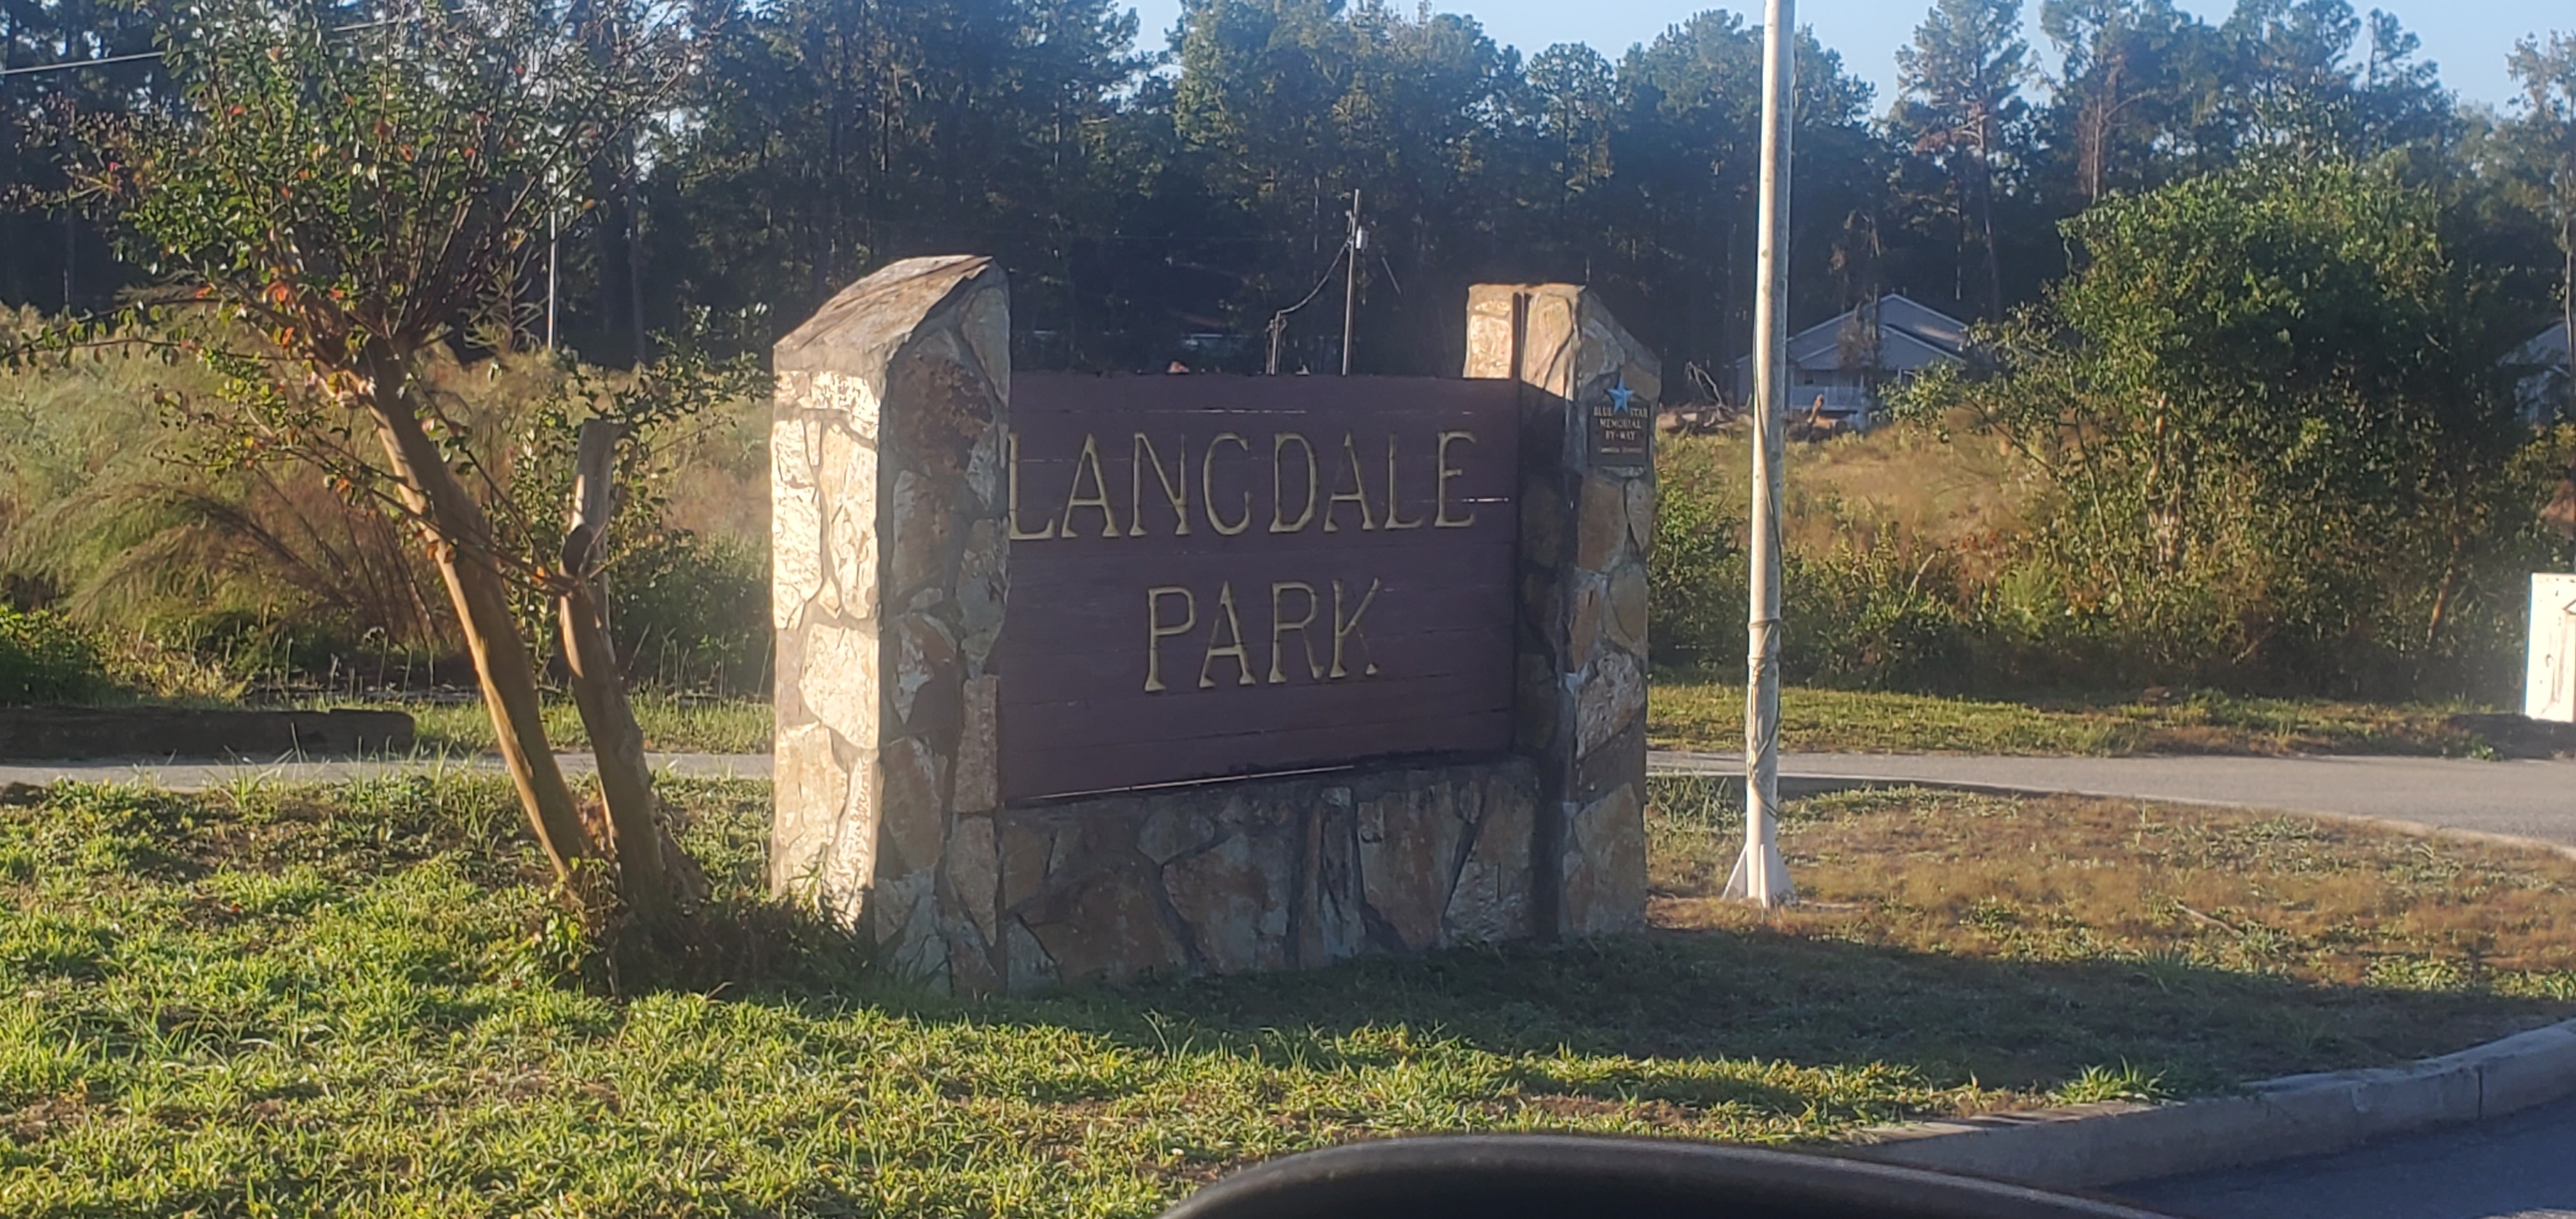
(47, 1117)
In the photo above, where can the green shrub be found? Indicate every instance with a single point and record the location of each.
(1695, 582)
(44, 659)
(693, 613)
(2025, 610)
(1867, 619)
(2276, 453)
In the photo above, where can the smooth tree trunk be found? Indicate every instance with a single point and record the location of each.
(653, 876)
(460, 541)
(654, 879)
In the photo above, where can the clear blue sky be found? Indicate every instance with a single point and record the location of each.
(2468, 38)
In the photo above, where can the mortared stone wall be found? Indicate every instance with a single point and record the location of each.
(891, 587)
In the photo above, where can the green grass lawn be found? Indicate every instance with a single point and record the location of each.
(671, 724)
(1694, 714)
(1686, 712)
(358, 1000)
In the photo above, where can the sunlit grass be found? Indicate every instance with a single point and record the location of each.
(358, 1000)
(671, 723)
(1687, 712)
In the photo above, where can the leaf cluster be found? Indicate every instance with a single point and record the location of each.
(343, 183)
(2267, 400)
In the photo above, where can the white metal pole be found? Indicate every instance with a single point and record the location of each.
(554, 246)
(1760, 877)
(1351, 279)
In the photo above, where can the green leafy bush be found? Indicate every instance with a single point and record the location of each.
(1695, 582)
(1866, 619)
(2279, 454)
(693, 613)
(44, 659)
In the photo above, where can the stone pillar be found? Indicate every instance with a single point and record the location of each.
(889, 551)
(1587, 518)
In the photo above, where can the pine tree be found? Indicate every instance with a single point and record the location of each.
(1962, 107)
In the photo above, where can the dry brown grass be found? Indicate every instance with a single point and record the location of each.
(2307, 943)
(1897, 484)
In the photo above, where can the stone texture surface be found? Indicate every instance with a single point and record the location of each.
(892, 585)
(1268, 873)
(1491, 899)
(1604, 864)
(1582, 645)
(890, 573)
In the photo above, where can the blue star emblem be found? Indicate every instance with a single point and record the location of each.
(1620, 395)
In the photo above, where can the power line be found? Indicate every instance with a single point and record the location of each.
(69, 65)
(1279, 320)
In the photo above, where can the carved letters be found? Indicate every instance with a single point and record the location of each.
(1225, 460)
(1172, 611)
(1225, 575)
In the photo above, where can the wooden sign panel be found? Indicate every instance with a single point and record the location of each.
(1217, 576)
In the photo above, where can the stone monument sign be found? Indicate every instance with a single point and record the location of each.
(1085, 677)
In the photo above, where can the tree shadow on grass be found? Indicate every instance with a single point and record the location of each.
(1767, 996)
(1639, 1008)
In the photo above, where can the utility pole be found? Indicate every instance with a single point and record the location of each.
(1760, 876)
(554, 249)
(1351, 278)
(1349, 258)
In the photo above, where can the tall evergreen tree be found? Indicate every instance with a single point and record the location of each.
(1962, 108)
(2547, 134)
(1142, 197)
(2120, 88)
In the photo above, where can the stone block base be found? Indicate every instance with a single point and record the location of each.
(1273, 873)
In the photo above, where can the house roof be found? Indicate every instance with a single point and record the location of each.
(1911, 335)
(2547, 349)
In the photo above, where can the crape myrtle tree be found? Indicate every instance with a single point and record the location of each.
(344, 194)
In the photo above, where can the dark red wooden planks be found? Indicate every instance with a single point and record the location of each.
(1179, 608)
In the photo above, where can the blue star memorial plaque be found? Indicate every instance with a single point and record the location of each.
(1622, 429)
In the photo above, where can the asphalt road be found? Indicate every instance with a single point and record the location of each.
(2520, 799)
(2519, 1167)
(198, 776)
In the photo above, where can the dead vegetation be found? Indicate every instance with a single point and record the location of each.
(2322, 933)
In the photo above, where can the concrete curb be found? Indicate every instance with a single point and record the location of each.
(2088, 1146)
